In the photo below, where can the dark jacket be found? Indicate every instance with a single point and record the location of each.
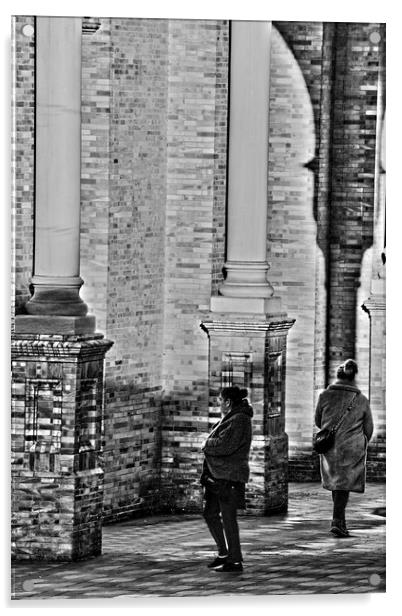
(343, 467)
(227, 448)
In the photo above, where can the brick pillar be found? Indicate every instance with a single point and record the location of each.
(252, 354)
(57, 469)
(57, 359)
(356, 60)
(247, 330)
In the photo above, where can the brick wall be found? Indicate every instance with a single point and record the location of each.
(96, 163)
(122, 242)
(196, 140)
(23, 154)
(221, 128)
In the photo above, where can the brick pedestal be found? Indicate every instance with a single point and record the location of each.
(57, 471)
(252, 353)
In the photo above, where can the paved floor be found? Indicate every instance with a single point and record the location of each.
(167, 556)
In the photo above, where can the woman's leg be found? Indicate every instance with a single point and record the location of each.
(229, 517)
(213, 519)
(340, 499)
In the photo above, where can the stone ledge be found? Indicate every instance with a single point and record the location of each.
(47, 346)
(248, 327)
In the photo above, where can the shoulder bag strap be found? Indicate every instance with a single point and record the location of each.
(348, 408)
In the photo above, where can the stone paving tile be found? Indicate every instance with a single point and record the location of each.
(167, 556)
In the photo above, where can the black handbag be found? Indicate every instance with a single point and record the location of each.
(324, 440)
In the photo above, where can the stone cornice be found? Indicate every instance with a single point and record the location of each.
(248, 327)
(58, 346)
(375, 303)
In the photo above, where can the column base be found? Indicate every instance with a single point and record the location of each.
(47, 324)
(56, 295)
(246, 279)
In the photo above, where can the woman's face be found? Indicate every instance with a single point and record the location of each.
(225, 405)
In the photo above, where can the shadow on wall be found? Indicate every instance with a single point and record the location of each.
(131, 449)
(185, 425)
(297, 263)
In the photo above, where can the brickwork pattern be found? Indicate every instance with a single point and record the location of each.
(23, 154)
(194, 187)
(220, 148)
(352, 181)
(56, 461)
(122, 242)
(136, 260)
(95, 170)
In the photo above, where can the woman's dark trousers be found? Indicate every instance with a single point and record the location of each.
(340, 499)
(221, 518)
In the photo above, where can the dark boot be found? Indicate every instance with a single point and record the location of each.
(338, 528)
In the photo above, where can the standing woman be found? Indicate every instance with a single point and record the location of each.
(343, 467)
(225, 474)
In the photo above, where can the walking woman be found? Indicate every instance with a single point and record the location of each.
(224, 476)
(343, 467)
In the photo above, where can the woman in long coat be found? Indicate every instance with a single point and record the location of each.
(343, 467)
(225, 473)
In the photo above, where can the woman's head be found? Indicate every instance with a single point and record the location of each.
(230, 396)
(347, 371)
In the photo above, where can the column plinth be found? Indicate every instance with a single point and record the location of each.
(56, 456)
(252, 353)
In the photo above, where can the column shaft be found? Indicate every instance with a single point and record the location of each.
(246, 264)
(56, 277)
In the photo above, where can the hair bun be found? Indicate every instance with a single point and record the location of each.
(347, 370)
(350, 366)
(234, 393)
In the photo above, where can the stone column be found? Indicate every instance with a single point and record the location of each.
(57, 359)
(246, 265)
(56, 281)
(247, 329)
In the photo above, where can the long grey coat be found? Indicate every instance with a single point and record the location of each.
(343, 467)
